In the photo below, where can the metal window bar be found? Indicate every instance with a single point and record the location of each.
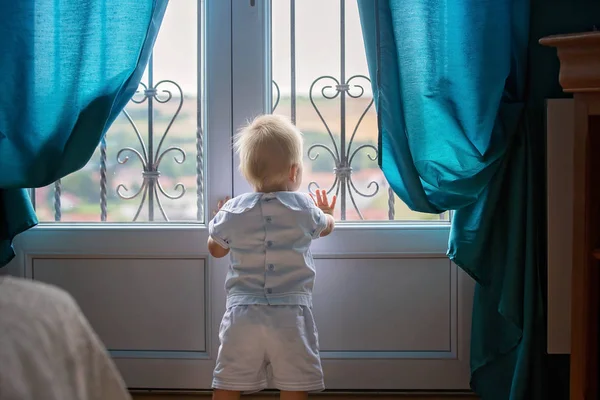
(103, 191)
(293, 59)
(103, 188)
(199, 116)
(57, 201)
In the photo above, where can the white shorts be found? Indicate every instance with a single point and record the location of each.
(255, 337)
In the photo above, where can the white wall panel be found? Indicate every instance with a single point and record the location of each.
(135, 304)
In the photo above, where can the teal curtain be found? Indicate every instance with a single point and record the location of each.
(449, 86)
(68, 67)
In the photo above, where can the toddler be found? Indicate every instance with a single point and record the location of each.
(269, 320)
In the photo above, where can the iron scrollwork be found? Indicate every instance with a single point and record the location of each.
(151, 187)
(344, 154)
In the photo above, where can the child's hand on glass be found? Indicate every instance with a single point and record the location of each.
(320, 199)
(220, 205)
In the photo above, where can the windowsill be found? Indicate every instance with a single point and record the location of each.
(354, 225)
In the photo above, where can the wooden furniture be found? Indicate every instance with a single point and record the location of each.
(579, 56)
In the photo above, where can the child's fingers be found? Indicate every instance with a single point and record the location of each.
(319, 197)
(222, 202)
(333, 201)
(325, 199)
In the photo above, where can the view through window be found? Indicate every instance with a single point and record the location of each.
(321, 81)
(149, 167)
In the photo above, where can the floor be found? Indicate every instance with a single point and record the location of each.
(329, 396)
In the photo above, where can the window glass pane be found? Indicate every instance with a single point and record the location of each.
(321, 81)
(149, 167)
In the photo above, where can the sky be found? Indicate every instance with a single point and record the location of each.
(317, 43)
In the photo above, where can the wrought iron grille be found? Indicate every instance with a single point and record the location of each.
(343, 152)
(149, 149)
(150, 153)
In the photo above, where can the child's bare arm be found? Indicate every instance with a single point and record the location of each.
(215, 249)
(323, 203)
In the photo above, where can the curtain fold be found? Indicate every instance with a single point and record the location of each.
(449, 86)
(67, 70)
(16, 216)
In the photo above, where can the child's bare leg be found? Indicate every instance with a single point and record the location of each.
(219, 394)
(294, 395)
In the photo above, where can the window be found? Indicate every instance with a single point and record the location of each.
(150, 165)
(321, 81)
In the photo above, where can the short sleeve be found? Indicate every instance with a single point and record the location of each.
(318, 222)
(218, 229)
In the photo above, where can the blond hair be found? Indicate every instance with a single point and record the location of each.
(268, 147)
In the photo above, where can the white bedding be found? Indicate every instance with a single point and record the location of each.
(48, 351)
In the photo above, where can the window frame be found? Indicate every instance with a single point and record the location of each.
(183, 239)
(251, 33)
(214, 115)
(227, 105)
